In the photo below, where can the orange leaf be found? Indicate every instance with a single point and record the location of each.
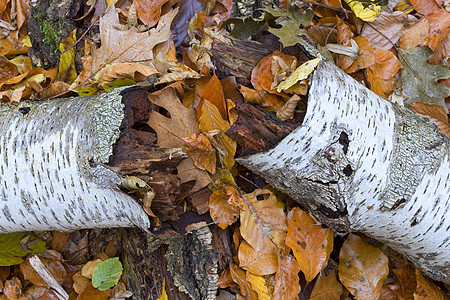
(381, 86)
(268, 101)
(212, 91)
(326, 287)
(59, 240)
(222, 212)
(408, 282)
(89, 268)
(91, 293)
(386, 64)
(240, 278)
(225, 279)
(362, 268)
(12, 288)
(202, 153)
(287, 284)
(415, 35)
(149, 11)
(366, 57)
(426, 289)
(80, 282)
(256, 262)
(273, 66)
(311, 244)
(324, 11)
(53, 266)
(425, 7)
(263, 222)
(435, 113)
(261, 285)
(7, 69)
(439, 22)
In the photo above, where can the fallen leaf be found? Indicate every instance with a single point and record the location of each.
(366, 57)
(311, 244)
(149, 11)
(187, 171)
(256, 262)
(425, 7)
(134, 71)
(12, 288)
(89, 268)
(263, 222)
(268, 101)
(7, 69)
(238, 275)
(415, 35)
(383, 87)
(59, 240)
(362, 268)
(419, 79)
(259, 285)
(366, 12)
(426, 289)
(41, 293)
(408, 283)
(212, 91)
(163, 295)
(80, 283)
(53, 266)
(385, 31)
(301, 73)
(288, 109)
(441, 54)
(67, 72)
(107, 274)
(386, 64)
(435, 113)
(326, 287)
(287, 284)
(188, 8)
(222, 211)
(91, 293)
(201, 152)
(439, 22)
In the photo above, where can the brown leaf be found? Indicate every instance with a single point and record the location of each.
(225, 279)
(56, 89)
(288, 109)
(386, 64)
(322, 11)
(201, 152)
(89, 268)
(59, 240)
(408, 283)
(326, 287)
(426, 289)
(263, 222)
(415, 35)
(385, 31)
(222, 212)
(311, 244)
(435, 113)
(134, 71)
(187, 171)
(91, 293)
(383, 87)
(55, 267)
(149, 11)
(287, 284)
(256, 262)
(240, 278)
(12, 288)
(80, 282)
(440, 54)
(344, 34)
(7, 69)
(439, 22)
(362, 268)
(389, 292)
(41, 293)
(181, 123)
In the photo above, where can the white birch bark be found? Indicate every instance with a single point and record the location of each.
(52, 175)
(361, 163)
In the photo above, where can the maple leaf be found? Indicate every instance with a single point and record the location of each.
(419, 79)
(362, 268)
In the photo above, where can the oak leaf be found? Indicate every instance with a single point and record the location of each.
(362, 268)
(311, 244)
(415, 35)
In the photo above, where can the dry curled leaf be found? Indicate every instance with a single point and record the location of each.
(201, 152)
(426, 289)
(288, 109)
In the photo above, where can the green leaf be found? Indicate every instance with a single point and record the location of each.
(419, 79)
(107, 274)
(245, 27)
(15, 246)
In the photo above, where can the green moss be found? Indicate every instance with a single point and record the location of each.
(51, 36)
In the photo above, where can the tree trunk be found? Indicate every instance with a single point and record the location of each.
(53, 172)
(361, 163)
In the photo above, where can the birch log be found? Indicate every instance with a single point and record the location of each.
(52, 166)
(360, 163)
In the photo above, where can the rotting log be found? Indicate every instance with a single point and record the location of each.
(361, 163)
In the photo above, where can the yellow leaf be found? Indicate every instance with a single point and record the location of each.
(427, 289)
(256, 262)
(362, 268)
(366, 13)
(163, 293)
(301, 73)
(259, 285)
(326, 287)
(67, 72)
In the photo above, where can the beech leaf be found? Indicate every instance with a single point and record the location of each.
(256, 262)
(435, 113)
(259, 285)
(326, 287)
(362, 268)
(107, 274)
(222, 211)
(311, 244)
(12, 251)
(301, 73)
(426, 289)
(365, 12)
(287, 284)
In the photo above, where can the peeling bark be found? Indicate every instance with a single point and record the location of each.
(361, 163)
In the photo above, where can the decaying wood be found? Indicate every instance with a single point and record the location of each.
(361, 163)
